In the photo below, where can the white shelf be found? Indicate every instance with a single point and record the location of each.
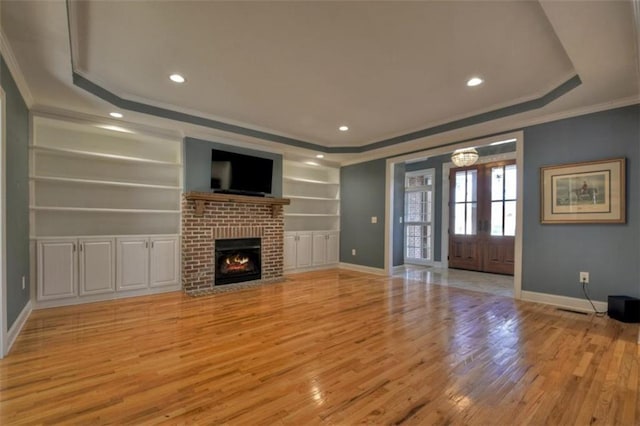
(101, 182)
(311, 215)
(114, 157)
(299, 197)
(99, 210)
(319, 182)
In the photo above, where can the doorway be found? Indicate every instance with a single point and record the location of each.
(483, 217)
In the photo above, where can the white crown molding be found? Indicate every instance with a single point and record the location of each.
(16, 72)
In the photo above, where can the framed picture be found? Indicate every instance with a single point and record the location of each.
(592, 192)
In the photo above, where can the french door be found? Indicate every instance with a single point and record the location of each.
(483, 217)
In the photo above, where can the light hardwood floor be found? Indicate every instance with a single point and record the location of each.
(331, 347)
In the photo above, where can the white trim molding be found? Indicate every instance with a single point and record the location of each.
(360, 268)
(16, 328)
(3, 225)
(14, 68)
(564, 302)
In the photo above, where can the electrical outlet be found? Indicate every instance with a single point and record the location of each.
(23, 282)
(374, 219)
(584, 277)
(353, 252)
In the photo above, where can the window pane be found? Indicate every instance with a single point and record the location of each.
(497, 183)
(510, 218)
(496, 218)
(472, 217)
(510, 182)
(429, 206)
(460, 187)
(472, 184)
(459, 223)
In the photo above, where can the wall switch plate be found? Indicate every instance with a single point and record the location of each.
(400, 219)
(353, 252)
(374, 219)
(584, 277)
(23, 282)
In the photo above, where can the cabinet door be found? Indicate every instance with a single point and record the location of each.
(289, 250)
(319, 252)
(164, 269)
(57, 266)
(133, 263)
(97, 266)
(333, 247)
(303, 250)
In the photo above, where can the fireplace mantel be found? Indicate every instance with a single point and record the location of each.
(200, 197)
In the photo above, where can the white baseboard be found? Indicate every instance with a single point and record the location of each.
(16, 328)
(360, 268)
(44, 304)
(565, 302)
(310, 268)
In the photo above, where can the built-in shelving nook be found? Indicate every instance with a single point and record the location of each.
(103, 201)
(312, 220)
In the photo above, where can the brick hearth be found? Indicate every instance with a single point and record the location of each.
(207, 217)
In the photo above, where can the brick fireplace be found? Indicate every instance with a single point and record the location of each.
(207, 217)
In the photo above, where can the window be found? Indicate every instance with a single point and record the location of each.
(418, 219)
(503, 200)
(466, 202)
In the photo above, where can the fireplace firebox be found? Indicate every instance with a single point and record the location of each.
(237, 260)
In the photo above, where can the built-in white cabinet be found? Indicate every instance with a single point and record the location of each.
(96, 266)
(297, 250)
(310, 249)
(70, 267)
(104, 206)
(133, 263)
(145, 262)
(57, 269)
(313, 215)
(326, 246)
(164, 261)
(74, 270)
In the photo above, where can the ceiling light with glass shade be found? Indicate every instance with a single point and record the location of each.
(464, 157)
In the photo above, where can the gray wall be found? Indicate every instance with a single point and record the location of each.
(361, 197)
(197, 164)
(398, 212)
(17, 195)
(435, 163)
(554, 254)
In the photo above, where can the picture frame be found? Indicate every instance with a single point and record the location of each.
(588, 192)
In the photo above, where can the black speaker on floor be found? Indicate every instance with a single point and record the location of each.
(624, 308)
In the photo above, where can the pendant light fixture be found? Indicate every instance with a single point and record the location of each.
(464, 157)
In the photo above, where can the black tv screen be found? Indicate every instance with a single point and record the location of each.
(239, 173)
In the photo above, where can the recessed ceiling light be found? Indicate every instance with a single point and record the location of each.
(115, 114)
(474, 81)
(176, 78)
(343, 128)
(320, 156)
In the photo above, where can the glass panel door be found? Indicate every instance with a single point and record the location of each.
(418, 220)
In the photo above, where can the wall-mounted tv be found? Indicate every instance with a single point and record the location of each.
(240, 174)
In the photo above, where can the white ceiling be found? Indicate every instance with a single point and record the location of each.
(301, 69)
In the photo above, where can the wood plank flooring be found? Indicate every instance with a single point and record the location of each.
(331, 347)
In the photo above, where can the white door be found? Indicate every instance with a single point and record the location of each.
(333, 247)
(419, 203)
(57, 266)
(319, 251)
(289, 250)
(132, 263)
(303, 250)
(97, 266)
(164, 261)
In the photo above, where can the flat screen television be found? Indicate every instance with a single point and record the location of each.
(240, 174)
